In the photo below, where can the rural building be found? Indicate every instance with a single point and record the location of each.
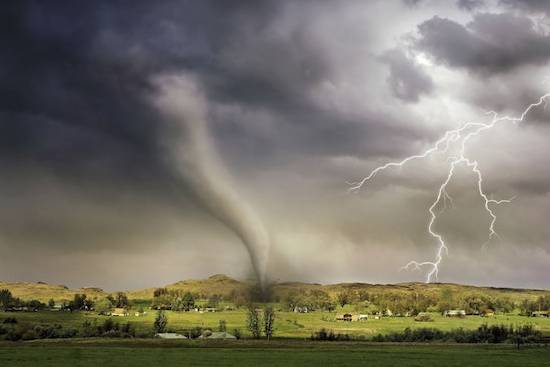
(57, 307)
(454, 313)
(362, 317)
(487, 313)
(540, 314)
(119, 312)
(170, 336)
(423, 316)
(221, 335)
(344, 317)
(301, 309)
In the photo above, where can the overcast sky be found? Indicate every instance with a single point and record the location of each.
(301, 97)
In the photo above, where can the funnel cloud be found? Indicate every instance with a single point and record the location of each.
(185, 110)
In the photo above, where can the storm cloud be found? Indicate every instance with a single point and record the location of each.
(302, 97)
(490, 43)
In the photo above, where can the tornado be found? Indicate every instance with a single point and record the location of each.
(184, 110)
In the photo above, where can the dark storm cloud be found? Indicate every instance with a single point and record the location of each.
(470, 5)
(299, 101)
(490, 44)
(406, 80)
(532, 6)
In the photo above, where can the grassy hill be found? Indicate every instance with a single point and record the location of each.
(44, 292)
(224, 285)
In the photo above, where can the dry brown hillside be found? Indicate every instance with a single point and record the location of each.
(44, 292)
(224, 286)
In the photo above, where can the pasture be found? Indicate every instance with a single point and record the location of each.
(132, 353)
(287, 324)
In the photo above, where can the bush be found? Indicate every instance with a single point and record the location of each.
(329, 335)
(483, 334)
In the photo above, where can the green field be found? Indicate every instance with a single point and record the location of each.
(242, 354)
(287, 324)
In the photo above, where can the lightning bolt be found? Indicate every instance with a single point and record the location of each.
(460, 137)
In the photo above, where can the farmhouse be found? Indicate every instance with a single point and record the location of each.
(299, 309)
(454, 313)
(344, 317)
(362, 317)
(119, 312)
(487, 313)
(540, 314)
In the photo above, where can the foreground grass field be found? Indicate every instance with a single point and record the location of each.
(277, 353)
(287, 324)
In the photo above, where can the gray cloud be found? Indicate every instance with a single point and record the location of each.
(406, 80)
(534, 6)
(299, 102)
(491, 43)
(470, 5)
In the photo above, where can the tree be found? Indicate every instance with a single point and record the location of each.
(51, 303)
(161, 321)
(253, 322)
(121, 300)
(160, 292)
(213, 301)
(222, 326)
(5, 299)
(188, 301)
(446, 300)
(344, 298)
(78, 302)
(103, 306)
(269, 321)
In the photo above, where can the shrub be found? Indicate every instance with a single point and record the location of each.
(329, 335)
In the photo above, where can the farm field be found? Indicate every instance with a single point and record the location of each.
(242, 354)
(287, 324)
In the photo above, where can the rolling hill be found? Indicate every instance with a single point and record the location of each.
(224, 285)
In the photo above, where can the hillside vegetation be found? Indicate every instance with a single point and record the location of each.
(224, 286)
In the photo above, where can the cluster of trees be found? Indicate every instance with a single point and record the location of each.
(257, 324)
(330, 335)
(10, 303)
(473, 303)
(164, 299)
(315, 299)
(105, 305)
(81, 302)
(108, 328)
(542, 303)
(483, 334)
(401, 303)
(11, 329)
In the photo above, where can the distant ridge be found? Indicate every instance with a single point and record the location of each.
(224, 285)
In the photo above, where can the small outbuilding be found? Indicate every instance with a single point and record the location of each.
(487, 313)
(120, 312)
(221, 335)
(170, 336)
(423, 317)
(540, 314)
(454, 313)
